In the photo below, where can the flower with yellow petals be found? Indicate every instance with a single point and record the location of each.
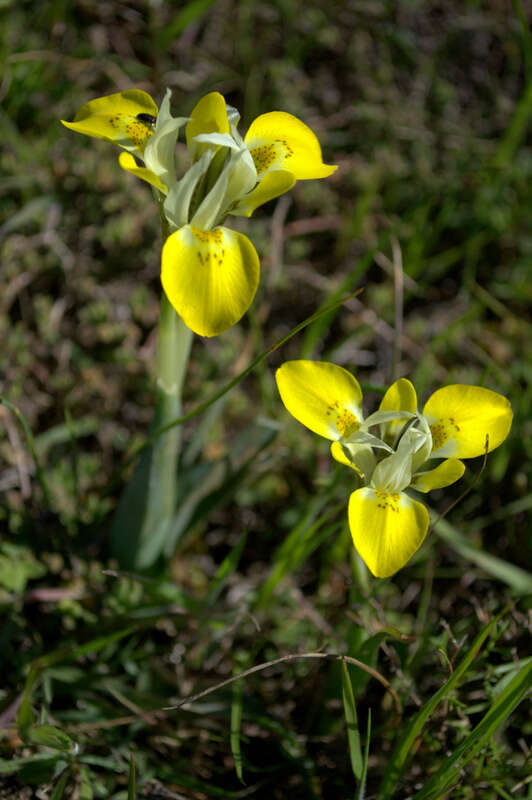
(124, 118)
(459, 421)
(209, 272)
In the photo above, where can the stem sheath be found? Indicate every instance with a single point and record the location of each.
(146, 511)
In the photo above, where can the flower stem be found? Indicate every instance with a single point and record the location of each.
(145, 514)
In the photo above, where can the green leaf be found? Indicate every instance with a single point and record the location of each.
(50, 736)
(145, 514)
(60, 786)
(85, 788)
(40, 762)
(501, 708)
(186, 16)
(18, 566)
(25, 716)
(353, 733)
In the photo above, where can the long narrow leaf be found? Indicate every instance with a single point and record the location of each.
(60, 786)
(236, 720)
(353, 733)
(362, 787)
(400, 756)
(226, 569)
(500, 710)
(518, 579)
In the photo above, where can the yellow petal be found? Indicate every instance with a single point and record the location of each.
(461, 417)
(208, 116)
(272, 185)
(401, 396)
(322, 396)
(128, 163)
(281, 141)
(444, 474)
(387, 529)
(210, 277)
(125, 118)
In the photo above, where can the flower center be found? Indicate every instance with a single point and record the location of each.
(265, 155)
(442, 430)
(386, 500)
(344, 420)
(209, 246)
(137, 131)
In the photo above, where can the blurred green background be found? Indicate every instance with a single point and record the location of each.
(425, 107)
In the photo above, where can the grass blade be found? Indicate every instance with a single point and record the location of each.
(501, 708)
(236, 721)
(300, 542)
(31, 447)
(353, 733)
(226, 569)
(362, 787)
(60, 786)
(401, 753)
(186, 16)
(519, 580)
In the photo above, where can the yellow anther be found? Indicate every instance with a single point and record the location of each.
(386, 500)
(345, 422)
(207, 237)
(137, 132)
(265, 155)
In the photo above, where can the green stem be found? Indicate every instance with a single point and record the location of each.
(145, 515)
(173, 349)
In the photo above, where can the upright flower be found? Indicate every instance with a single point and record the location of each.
(209, 272)
(387, 525)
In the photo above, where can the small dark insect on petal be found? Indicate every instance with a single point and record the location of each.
(149, 119)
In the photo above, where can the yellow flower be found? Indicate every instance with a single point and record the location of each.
(388, 526)
(210, 273)
(282, 149)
